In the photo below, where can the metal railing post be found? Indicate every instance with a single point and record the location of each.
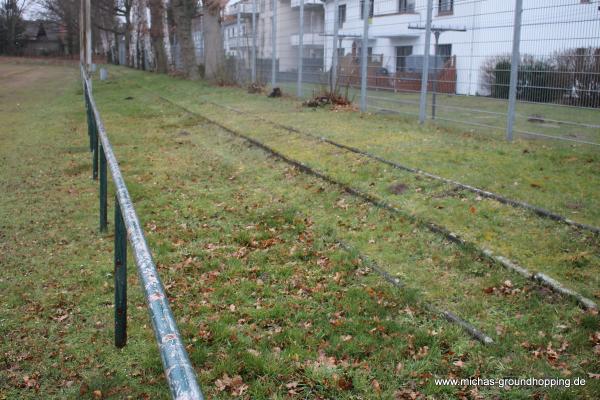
(179, 372)
(300, 50)
(103, 191)
(364, 56)
(514, 70)
(274, 44)
(94, 151)
(89, 117)
(120, 278)
(425, 72)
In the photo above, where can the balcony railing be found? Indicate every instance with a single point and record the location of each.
(245, 9)
(308, 39)
(307, 3)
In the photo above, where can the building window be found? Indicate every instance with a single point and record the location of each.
(362, 8)
(369, 54)
(341, 15)
(445, 7)
(406, 6)
(444, 51)
(341, 52)
(402, 52)
(359, 51)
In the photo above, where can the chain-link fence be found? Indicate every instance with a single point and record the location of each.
(519, 67)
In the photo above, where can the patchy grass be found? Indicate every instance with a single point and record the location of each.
(268, 307)
(478, 114)
(538, 244)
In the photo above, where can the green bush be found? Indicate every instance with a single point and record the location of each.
(537, 80)
(501, 80)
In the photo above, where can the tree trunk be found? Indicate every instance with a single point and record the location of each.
(157, 15)
(167, 34)
(214, 57)
(183, 12)
(144, 39)
(127, 39)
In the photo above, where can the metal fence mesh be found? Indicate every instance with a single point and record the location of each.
(473, 64)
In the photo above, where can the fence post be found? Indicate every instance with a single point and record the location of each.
(95, 148)
(334, 56)
(425, 72)
(103, 191)
(300, 50)
(436, 75)
(88, 34)
(88, 114)
(253, 40)
(514, 70)
(81, 34)
(120, 278)
(274, 44)
(239, 44)
(364, 56)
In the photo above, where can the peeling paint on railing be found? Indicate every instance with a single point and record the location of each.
(179, 372)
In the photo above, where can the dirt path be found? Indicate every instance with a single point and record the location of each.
(15, 78)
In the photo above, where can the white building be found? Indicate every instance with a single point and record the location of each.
(238, 39)
(548, 26)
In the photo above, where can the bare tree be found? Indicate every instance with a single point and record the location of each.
(65, 12)
(106, 27)
(214, 54)
(141, 44)
(157, 30)
(115, 9)
(11, 25)
(183, 12)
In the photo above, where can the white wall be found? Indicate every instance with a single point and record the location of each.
(288, 24)
(548, 26)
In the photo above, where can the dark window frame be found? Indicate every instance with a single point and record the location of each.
(401, 59)
(371, 9)
(341, 15)
(447, 55)
(406, 6)
(445, 7)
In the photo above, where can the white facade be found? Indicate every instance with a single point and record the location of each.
(238, 38)
(548, 26)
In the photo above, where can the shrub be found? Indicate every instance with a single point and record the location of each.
(501, 80)
(571, 76)
(579, 72)
(537, 82)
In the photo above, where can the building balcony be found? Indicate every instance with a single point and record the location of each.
(308, 40)
(307, 3)
(241, 42)
(245, 9)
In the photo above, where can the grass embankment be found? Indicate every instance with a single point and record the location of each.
(243, 245)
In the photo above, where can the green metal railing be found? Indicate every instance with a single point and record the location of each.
(177, 366)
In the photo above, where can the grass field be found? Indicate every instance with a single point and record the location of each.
(267, 304)
(479, 114)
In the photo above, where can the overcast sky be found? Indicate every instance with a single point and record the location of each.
(32, 11)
